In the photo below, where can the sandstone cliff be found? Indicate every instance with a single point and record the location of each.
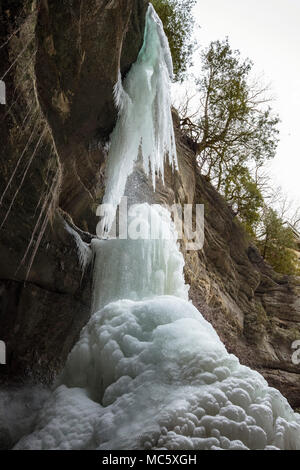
(60, 61)
(255, 311)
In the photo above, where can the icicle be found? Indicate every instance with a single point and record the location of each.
(23, 177)
(139, 268)
(144, 125)
(19, 160)
(20, 82)
(84, 252)
(47, 212)
(18, 57)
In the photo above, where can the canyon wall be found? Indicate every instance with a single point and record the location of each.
(59, 61)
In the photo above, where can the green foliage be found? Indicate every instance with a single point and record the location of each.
(178, 22)
(235, 131)
(277, 243)
(235, 124)
(235, 128)
(242, 193)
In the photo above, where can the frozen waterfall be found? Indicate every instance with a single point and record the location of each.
(145, 127)
(149, 372)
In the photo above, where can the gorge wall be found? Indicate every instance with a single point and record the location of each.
(60, 68)
(255, 310)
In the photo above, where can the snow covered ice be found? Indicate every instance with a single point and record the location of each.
(149, 372)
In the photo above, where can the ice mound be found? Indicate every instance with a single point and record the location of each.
(154, 374)
(19, 406)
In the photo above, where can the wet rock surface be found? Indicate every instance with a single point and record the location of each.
(60, 61)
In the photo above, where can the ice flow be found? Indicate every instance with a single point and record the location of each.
(149, 372)
(144, 127)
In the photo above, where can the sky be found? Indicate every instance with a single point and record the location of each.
(268, 33)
